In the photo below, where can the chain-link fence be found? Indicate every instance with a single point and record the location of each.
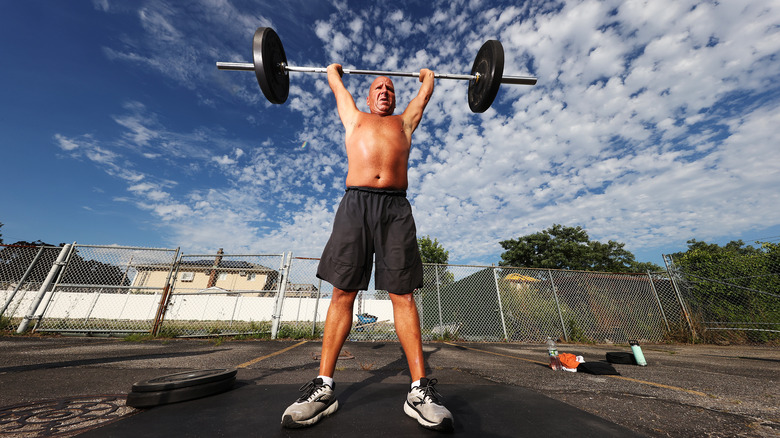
(515, 304)
(104, 289)
(304, 313)
(218, 294)
(23, 270)
(122, 290)
(731, 297)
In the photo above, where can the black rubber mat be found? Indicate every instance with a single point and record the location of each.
(365, 410)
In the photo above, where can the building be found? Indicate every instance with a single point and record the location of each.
(233, 276)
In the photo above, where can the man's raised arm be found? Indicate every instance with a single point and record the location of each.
(344, 102)
(414, 111)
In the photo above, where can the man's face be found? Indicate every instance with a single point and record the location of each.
(381, 97)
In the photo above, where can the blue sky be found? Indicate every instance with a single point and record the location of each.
(653, 122)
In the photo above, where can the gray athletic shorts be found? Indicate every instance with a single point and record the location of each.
(373, 221)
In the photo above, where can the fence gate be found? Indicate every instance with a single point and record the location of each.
(105, 289)
(221, 294)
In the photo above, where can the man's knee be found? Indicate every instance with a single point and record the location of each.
(343, 297)
(405, 301)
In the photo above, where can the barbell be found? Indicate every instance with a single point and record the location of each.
(272, 71)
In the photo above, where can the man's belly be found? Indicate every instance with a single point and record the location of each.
(378, 179)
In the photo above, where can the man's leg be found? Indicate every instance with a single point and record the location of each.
(338, 323)
(407, 327)
(422, 402)
(317, 400)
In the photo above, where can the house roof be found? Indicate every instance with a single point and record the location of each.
(208, 264)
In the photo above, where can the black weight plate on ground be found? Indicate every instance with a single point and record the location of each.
(157, 398)
(268, 54)
(489, 63)
(183, 380)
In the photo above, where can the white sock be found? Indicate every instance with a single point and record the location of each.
(327, 380)
(415, 384)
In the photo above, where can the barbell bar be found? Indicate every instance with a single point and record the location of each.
(271, 69)
(245, 66)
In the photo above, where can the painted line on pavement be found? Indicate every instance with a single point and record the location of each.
(497, 354)
(661, 385)
(645, 382)
(256, 360)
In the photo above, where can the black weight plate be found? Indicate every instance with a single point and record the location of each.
(156, 398)
(183, 380)
(489, 63)
(268, 54)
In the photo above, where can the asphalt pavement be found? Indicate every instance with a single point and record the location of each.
(71, 386)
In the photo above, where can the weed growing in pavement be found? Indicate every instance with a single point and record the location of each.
(138, 337)
(576, 334)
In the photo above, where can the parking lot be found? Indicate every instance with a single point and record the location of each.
(686, 390)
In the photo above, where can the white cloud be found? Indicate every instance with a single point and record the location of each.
(68, 144)
(641, 128)
(101, 5)
(223, 160)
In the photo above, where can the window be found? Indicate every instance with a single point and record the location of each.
(222, 276)
(187, 276)
(251, 277)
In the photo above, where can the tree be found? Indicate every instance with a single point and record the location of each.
(562, 247)
(431, 251)
(734, 283)
(1, 234)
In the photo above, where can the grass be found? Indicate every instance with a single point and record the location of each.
(219, 331)
(576, 334)
(444, 337)
(680, 333)
(5, 323)
(138, 337)
(137, 331)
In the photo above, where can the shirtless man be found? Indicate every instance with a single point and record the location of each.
(374, 217)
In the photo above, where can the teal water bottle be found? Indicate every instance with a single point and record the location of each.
(637, 350)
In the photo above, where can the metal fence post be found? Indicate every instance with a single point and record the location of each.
(45, 305)
(279, 303)
(500, 306)
(316, 308)
(658, 300)
(21, 282)
(55, 269)
(676, 288)
(165, 298)
(438, 295)
(558, 306)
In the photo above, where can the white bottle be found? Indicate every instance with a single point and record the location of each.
(552, 351)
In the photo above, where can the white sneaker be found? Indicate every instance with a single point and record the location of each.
(316, 402)
(422, 404)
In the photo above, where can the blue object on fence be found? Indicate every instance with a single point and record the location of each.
(363, 319)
